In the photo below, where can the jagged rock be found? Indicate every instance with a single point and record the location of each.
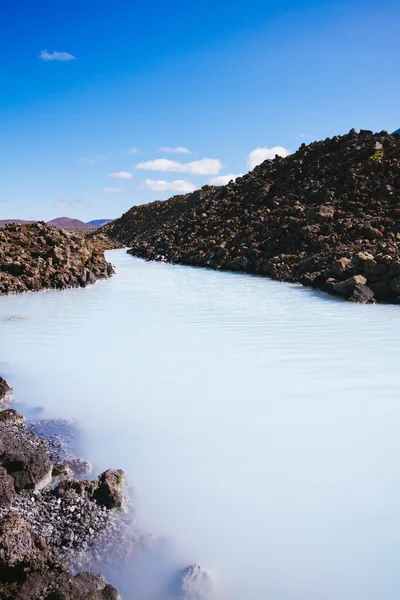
(111, 489)
(10, 416)
(346, 288)
(330, 210)
(7, 489)
(5, 390)
(79, 487)
(29, 571)
(36, 256)
(195, 584)
(24, 457)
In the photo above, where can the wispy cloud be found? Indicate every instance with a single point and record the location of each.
(94, 159)
(205, 166)
(112, 190)
(181, 186)
(60, 56)
(224, 179)
(121, 175)
(177, 150)
(133, 151)
(70, 203)
(259, 155)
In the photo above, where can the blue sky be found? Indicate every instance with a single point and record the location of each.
(220, 79)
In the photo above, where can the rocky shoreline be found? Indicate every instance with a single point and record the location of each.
(327, 216)
(51, 523)
(38, 257)
(57, 526)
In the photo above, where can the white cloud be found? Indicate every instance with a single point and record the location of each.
(224, 179)
(182, 186)
(259, 155)
(70, 202)
(121, 175)
(133, 151)
(205, 166)
(61, 56)
(177, 150)
(112, 190)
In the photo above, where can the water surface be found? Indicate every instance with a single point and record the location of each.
(259, 422)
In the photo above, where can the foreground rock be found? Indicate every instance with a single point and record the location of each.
(47, 525)
(37, 257)
(29, 571)
(325, 216)
(23, 455)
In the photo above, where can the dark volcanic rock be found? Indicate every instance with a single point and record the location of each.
(37, 256)
(110, 491)
(330, 211)
(29, 571)
(7, 489)
(10, 416)
(24, 457)
(5, 390)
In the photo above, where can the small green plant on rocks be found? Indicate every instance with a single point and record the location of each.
(378, 155)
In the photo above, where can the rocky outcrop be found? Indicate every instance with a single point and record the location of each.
(37, 257)
(323, 216)
(108, 490)
(5, 391)
(23, 456)
(111, 489)
(195, 584)
(28, 570)
(47, 525)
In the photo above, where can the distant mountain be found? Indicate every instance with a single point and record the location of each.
(67, 223)
(19, 221)
(397, 132)
(63, 223)
(99, 222)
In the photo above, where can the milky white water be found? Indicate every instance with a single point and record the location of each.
(259, 422)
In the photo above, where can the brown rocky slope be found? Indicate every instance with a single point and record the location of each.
(327, 216)
(36, 257)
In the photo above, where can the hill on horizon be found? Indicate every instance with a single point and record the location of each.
(62, 223)
(99, 222)
(67, 223)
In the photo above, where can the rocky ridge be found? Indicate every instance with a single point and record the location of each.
(37, 257)
(327, 216)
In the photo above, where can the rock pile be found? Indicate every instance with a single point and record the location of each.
(327, 216)
(51, 524)
(37, 256)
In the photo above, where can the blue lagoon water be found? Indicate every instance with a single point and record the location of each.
(259, 422)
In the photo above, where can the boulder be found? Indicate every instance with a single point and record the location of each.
(362, 294)
(10, 416)
(7, 489)
(23, 456)
(395, 285)
(195, 584)
(5, 390)
(347, 287)
(111, 490)
(341, 265)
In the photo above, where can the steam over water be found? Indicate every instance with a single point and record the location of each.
(259, 422)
